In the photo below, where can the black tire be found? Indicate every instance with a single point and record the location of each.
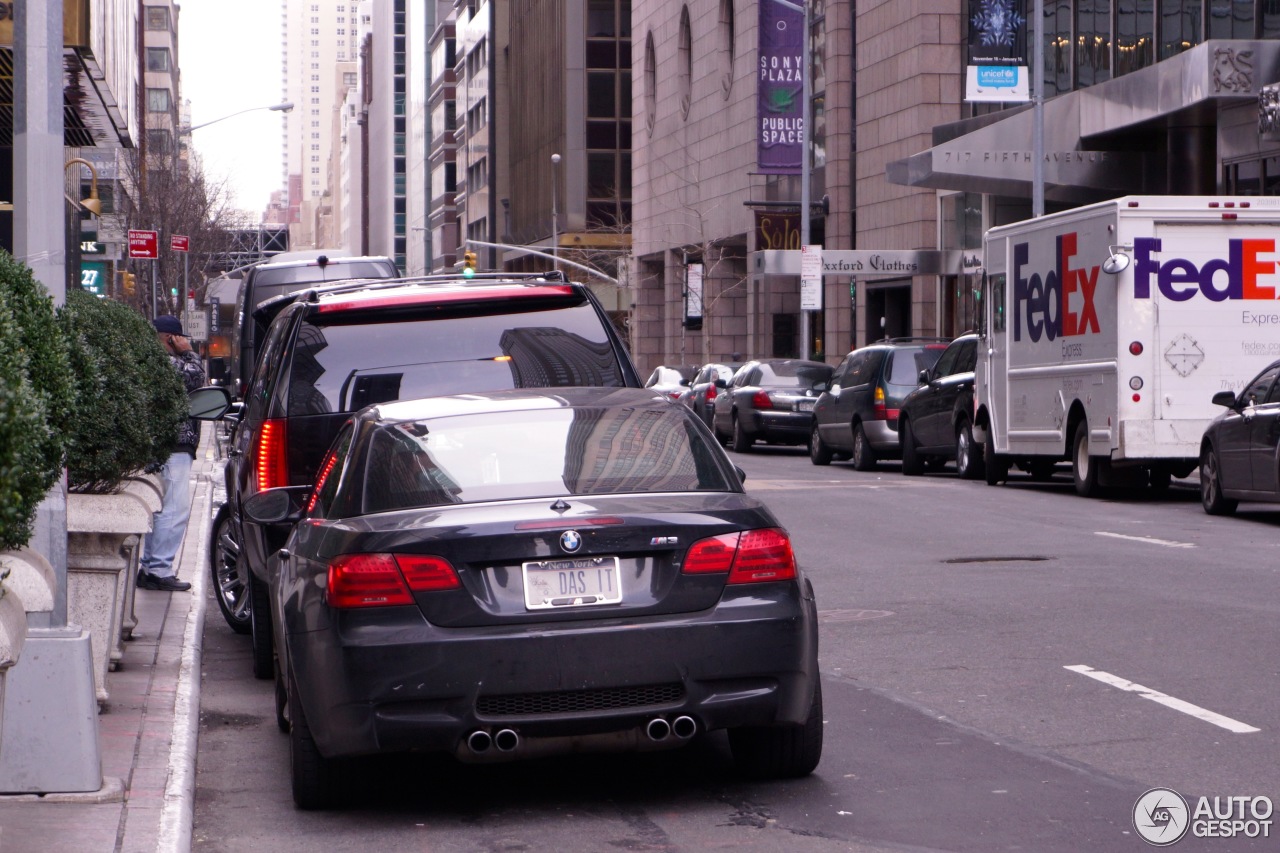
(995, 467)
(819, 453)
(1084, 466)
(912, 462)
(228, 589)
(968, 454)
(741, 441)
(315, 778)
(863, 455)
(261, 634)
(780, 752)
(282, 702)
(1211, 486)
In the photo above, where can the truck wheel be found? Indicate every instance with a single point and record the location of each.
(1083, 465)
(864, 455)
(819, 453)
(968, 456)
(912, 463)
(995, 466)
(1211, 486)
(261, 636)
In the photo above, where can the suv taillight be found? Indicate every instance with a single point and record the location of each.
(385, 580)
(879, 411)
(270, 456)
(755, 556)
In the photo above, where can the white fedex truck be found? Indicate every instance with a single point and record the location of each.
(1107, 330)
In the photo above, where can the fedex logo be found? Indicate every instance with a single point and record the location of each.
(1045, 303)
(1179, 279)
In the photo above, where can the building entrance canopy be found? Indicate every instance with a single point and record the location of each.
(868, 263)
(1085, 131)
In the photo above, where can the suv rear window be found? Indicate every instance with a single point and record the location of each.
(341, 364)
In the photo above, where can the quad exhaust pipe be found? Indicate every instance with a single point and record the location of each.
(506, 740)
(683, 727)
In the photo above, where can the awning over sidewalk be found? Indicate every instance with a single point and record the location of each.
(1097, 140)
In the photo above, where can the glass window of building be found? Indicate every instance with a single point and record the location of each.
(684, 63)
(158, 100)
(1233, 19)
(1057, 47)
(1093, 42)
(157, 17)
(1135, 37)
(1181, 26)
(157, 59)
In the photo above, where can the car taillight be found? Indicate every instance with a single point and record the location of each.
(427, 574)
(761, 400)
(270, 457)
(711, 393)
(385, 580)
(325, 471)
(674, 395)
(756, 556)
(711, 555)
(366, 580)
(878, 409)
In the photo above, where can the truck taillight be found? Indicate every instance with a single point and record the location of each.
(270, 457)
(1135, 348)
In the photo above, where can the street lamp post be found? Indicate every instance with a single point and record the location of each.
(279, 108)
(555, 215)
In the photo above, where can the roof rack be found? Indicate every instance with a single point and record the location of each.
(313, 293)
(915, 339)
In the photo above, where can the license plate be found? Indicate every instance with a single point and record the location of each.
(805, 405)
(580, 582)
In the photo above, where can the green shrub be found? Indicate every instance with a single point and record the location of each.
(129, 401)
(22, 427)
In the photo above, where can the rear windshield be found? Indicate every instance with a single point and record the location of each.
(905, 364)
(270, 283)
(539, 453)
(343, 366)
(794, 375)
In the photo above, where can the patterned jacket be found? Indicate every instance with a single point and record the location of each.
(191, 369)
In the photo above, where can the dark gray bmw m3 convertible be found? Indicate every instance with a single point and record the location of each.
(520, 573)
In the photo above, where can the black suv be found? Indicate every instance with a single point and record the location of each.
(331, 351)
(935, 423)
(286, 273)
(857, 416)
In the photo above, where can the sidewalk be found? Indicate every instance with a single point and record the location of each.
(147, 732)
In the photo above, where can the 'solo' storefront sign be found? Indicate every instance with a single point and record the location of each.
(780, 90)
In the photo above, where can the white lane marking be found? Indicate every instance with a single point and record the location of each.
(1165, 699)
(1147, 539)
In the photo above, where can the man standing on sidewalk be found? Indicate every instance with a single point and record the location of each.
(169, 525)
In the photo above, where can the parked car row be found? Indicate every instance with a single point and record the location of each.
(912, 399)
(438, 487)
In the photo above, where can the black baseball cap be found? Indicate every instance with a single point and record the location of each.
(167, 324)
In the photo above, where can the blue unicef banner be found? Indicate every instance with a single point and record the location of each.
(780, 90)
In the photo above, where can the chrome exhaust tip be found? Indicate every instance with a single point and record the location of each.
(684, 727)
(506, 740)
(479, 741)
(657, 729)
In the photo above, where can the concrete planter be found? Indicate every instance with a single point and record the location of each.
(104, 535)
(148, 489)
(13, 634)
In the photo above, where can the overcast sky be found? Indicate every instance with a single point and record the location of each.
(229, 56)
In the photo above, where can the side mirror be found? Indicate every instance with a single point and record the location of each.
(742, 475)
(209, 403)
(720, 383)
(924, 376)
(1224, 398)
(276, 506)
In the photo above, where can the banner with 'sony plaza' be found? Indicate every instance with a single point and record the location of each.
(780, 90)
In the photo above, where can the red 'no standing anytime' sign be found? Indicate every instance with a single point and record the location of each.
(144, 244)
(179, 243)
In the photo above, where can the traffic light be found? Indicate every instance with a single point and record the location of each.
(468, 264)
(130, 282)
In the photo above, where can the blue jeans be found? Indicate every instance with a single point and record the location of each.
(169, 525)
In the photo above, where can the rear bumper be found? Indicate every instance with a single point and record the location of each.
(784, 427)
(883, 436)
(407, 685)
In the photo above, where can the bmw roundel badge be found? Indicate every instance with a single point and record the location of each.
(570, 541)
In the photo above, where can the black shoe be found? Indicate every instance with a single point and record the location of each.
(170, 584)
(146, 580)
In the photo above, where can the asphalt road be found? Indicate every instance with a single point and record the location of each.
(1004, 669)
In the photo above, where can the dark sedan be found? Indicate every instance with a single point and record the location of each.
(1240, 452)
(770, 400)
(501, 576)
(706, 387)
(935, 423)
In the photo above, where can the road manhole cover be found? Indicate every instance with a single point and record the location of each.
(851, 615)
(1033, 558)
